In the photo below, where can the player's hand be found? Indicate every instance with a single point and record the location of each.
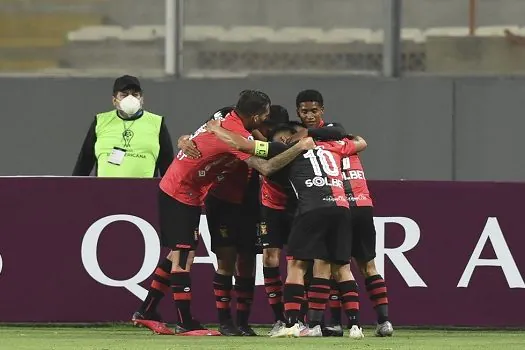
(213, 125)
(298, 136)
(189, 148)
(307, 143)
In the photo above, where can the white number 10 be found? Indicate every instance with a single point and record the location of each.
(327, 161)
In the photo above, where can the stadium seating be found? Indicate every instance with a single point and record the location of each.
(260, 48)
(94, 34)
(34, 41)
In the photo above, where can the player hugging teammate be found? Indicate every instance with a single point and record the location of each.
(314, 200)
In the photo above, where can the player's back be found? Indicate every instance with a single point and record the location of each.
(317, 179)
(189, 180)
(355, 183)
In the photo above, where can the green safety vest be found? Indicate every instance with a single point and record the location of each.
(139, 138)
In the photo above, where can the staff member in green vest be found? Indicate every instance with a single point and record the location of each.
(127, 141)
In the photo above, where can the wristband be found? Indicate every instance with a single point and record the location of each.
(261, 149)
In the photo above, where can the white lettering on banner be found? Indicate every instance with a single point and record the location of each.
(1, 264)
(151, 256)
(504, 259)
(412, 235)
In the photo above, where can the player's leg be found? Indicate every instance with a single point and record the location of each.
(364, 253)
(334, 303)
(160, 285)
(308, 276)
(220, 216)
(318, 294)
(245, 287)
(179, 230)
(293, 298)
(306, 243)
(340, 252)
(274, 230)
(349, 297)
(246, 238)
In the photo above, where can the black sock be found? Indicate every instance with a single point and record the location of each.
(273, 286)
(181, 285)
(334, 303)
(244, 290)
(318, 293)
(160, 285)
(350, 299)
(222, 288)
(293, 299)
(376, 288)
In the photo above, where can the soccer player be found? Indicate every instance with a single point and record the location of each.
(364, 240)
(278, 208)
(310, 110)
(321, 231)
(233, 235)
(187, 182)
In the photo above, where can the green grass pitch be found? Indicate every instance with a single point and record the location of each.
(120, 337)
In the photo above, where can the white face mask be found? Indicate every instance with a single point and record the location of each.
(130, 105)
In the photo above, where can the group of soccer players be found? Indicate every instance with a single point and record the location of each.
(264, 180)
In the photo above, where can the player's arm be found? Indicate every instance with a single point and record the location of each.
(333, 131)
(188, 147)
(268, 167)
(240, 143)
(234, 140)
(353, 145)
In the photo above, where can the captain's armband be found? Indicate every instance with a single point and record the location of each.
(261, 149)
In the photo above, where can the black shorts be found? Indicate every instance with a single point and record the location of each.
(364, 234)
(324, 234)
(275, 227)
(230, 226)
(179, 223)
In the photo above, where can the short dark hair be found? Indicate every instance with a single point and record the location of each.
(294, 123)
(252, 102)
(309, 96)
(278, 115)
(280, 128)
(221, 113)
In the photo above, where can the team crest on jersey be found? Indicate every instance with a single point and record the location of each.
(223, 232)
(196, 234)
(262, 229)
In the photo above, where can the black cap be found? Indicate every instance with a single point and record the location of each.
(126, 82)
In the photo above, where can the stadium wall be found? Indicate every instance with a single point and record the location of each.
(68, 256)
(418, 128)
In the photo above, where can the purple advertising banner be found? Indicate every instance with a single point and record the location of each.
(83, 250)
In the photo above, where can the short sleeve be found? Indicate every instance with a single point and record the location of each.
(348, 148)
